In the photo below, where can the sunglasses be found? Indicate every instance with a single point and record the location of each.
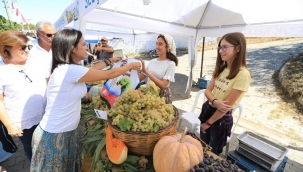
(48, 34)
(25, 75)
(29, 47)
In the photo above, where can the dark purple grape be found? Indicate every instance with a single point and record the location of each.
(201, 164)
(211, 157)
(192, 170)
(206, 161)
(206, 169)
(206, 155)
(229, 161)
(211, 169)
(200, 170)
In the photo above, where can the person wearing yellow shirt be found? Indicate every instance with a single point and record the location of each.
(230, 80)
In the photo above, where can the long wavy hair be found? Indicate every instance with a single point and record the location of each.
(236, 39)
(62, 46)
(169, 55)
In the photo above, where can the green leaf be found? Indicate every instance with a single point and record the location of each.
(98, 150)
(130, 168)
(96, 156)
(132, 159)
(125, 124)
(92, 139)
(155, 128)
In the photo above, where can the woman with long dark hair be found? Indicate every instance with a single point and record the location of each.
(162, 70)
(55, 140)
(230, 80)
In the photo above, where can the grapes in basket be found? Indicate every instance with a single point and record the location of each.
(142, 110)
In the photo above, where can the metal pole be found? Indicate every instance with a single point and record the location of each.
(202, 57)
(7, 13)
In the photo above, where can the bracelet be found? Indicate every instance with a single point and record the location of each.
(212, 102)
(146, 74)
(107, 62)
(208, 123)
(149, 74)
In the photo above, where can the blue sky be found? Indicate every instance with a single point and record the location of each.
(37, 10)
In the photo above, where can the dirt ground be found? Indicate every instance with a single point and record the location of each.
(249, 40)
(292, 92)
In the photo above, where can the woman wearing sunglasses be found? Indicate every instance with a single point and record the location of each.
(22, 89)
(55, 140)
(230, 80)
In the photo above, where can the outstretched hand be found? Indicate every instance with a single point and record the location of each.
(136, 65)
(144, 70)
(115, 59)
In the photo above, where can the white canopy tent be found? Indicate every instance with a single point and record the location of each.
(192, 19)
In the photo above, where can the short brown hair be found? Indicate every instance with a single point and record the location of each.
(9, 39)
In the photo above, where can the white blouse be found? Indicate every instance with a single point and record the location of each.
(162, 69)
(24, 93)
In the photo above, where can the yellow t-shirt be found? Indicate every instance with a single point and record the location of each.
(224, 86)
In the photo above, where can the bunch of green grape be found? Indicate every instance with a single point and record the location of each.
(146, 109)
(97, 103)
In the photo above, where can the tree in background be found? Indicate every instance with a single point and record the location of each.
(6, 25)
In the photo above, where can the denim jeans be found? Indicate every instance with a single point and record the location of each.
(210, 137)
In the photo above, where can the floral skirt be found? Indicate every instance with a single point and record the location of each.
(55, 152)
(166, 93)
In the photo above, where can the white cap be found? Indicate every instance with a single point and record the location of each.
(104, 38)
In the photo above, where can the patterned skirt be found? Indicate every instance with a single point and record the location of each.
(55, 152)
(224, 127)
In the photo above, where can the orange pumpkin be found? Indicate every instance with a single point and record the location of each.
(115, 148)
(177, 153)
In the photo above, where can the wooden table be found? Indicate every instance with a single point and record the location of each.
(214, 155)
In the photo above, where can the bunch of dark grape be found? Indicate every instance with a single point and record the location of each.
(210, 164)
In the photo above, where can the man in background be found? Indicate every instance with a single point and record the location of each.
(106, 51)
(41, 51)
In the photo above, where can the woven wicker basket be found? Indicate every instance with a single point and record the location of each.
(141, 143)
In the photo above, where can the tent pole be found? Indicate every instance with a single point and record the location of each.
(202, 57)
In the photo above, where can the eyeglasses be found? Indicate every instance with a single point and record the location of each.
(29, 47)
(25, 75)
(224, 48)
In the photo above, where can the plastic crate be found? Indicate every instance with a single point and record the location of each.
(247, 165)
(203, 82)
